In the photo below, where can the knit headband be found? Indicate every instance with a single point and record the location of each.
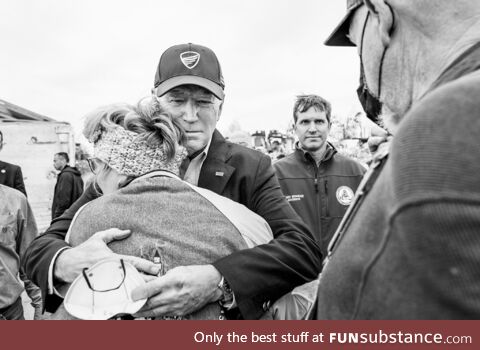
(130, 154)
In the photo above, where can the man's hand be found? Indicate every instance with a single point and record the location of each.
(72, 261)
(181, 291)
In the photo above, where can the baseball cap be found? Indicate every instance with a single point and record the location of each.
(189, 64)
(339, 35)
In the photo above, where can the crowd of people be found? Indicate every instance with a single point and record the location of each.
(217, 232)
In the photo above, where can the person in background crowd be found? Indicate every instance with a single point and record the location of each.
(277, 151)
(189, 86)
(69, 186)
(318, 182)
(10, 174)
(408, 246)
(17, 230)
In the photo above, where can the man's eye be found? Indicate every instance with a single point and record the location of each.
(204, 102)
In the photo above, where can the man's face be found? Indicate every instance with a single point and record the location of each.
(312, 128)
(58, 162)
(197, 110)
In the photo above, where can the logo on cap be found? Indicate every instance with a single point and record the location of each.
(190, 59)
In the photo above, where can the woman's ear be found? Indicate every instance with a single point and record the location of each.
(383, 13)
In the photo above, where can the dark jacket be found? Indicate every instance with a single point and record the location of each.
(319, 194)
(258, 276)
(11, 176)
(68, 189)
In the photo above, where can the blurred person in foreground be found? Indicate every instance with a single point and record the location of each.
(189, 86)
(17, 229)
(69, 186)
(318, 182)
(408, 245)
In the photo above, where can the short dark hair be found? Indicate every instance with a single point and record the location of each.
(63, 155)
(304, 102)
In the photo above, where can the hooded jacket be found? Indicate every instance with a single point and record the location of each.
(68, 189)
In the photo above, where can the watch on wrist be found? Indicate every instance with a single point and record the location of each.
(227, 293)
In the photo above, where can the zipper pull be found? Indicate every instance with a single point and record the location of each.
(316, 185)
(156, 258)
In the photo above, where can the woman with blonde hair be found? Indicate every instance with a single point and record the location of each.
(137, 156)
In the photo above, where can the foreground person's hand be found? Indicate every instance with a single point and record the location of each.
(72, 261)
(181, 291)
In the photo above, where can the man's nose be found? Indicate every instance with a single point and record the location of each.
(312, 127)
(190, 112)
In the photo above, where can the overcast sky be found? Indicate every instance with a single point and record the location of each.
(63, 58)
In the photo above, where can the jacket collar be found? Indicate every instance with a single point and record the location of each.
(215, 171)
(466, 63)
(307, 157)
(157, 173)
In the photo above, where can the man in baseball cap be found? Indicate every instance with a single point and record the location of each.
(189, 86)
(407, 247)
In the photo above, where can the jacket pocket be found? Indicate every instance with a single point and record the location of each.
(8, 230)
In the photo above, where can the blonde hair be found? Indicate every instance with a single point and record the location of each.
(146, 119)
(135, 140)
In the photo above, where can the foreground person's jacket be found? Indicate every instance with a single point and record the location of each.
(411, 250)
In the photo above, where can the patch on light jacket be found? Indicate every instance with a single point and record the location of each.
(344, 195)
(294, 197)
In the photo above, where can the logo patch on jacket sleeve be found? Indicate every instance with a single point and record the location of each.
(344, 195)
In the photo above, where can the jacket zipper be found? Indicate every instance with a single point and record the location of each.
(326, 197)
(318, 204)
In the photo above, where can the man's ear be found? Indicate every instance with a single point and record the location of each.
(383, 13)
(220, 108)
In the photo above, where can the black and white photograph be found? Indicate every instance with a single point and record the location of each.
(240, 160)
